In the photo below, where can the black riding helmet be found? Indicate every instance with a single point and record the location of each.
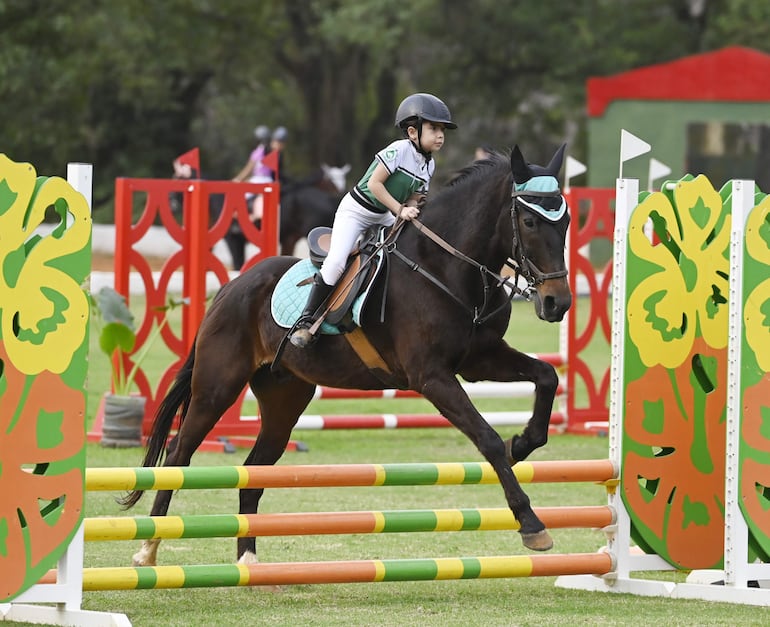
(419, 108)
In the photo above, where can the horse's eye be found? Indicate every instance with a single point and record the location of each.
(529, 222)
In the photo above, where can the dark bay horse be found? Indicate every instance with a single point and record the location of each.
(310, 203)
(444, 320)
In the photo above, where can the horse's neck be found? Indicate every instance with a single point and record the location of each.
(478, 230)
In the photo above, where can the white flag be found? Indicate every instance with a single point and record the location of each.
(572, 169)
(631, 146)
(657, 170)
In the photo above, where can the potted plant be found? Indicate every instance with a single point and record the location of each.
(123, 410)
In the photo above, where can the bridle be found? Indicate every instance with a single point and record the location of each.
(533, 275)
(523, 267)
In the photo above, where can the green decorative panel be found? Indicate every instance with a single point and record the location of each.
(754, 448)
(675, 373)
(44, 317)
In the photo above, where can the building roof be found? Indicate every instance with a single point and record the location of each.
(733, 74)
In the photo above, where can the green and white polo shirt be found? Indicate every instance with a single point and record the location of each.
(409, 172)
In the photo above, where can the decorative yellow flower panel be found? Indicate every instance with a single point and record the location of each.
(756, 309)
(44, 316)
(675, 370)
(754, 455)
(683, 294)
(44, 312)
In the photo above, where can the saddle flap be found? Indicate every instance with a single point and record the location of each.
(350, 285)
(358, 275)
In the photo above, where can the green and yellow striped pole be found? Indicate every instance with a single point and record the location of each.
(428, 569)
(315, 523)
(341, 475)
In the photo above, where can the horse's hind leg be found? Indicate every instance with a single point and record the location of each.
(281, 401)
(212, 394)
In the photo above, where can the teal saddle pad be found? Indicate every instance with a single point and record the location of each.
(289, 298)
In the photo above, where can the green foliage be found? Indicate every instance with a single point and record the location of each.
(129, 86)
(117, 336)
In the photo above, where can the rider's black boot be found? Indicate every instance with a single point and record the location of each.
(318, 294)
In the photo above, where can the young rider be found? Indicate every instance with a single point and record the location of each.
(394, 186)
(255, 171)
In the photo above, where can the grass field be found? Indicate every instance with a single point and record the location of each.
(471, 602)
(443, 603)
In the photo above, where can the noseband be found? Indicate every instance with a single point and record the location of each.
(519, 253)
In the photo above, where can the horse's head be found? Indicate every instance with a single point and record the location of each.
(337, 176)
(540, 218)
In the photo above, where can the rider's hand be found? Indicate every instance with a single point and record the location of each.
(417, 200)
(408, 212)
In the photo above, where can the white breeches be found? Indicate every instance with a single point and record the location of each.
(350, 221)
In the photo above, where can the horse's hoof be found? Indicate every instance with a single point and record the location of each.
(139, 560)
(540, 541)
(147, 555)
(250, 558)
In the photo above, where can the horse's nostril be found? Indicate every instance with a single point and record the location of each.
(554, 307)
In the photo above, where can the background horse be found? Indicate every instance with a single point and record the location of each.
(447, 319)
(310, 203)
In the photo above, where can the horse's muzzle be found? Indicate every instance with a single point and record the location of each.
(551, 305)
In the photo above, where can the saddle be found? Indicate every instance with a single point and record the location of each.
(348, 299)
(364, 265)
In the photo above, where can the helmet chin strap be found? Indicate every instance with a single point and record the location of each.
(418, 143)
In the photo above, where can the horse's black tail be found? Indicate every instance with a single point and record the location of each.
(177, 401)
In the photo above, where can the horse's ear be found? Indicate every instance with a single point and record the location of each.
(521, 173)
(345, 168)
(555, 165)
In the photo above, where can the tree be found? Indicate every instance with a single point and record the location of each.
(129, 86)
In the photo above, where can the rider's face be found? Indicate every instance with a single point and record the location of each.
(432, 136)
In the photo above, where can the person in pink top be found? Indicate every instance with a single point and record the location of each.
(254, 171)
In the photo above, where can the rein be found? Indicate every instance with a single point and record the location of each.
(479, 315)
(523, 265)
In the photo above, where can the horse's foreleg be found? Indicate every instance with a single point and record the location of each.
(280, 404)
(503, 363)
(452, 401)
(535, 434)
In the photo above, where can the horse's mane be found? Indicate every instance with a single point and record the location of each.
(472, 189)
(478, 169)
